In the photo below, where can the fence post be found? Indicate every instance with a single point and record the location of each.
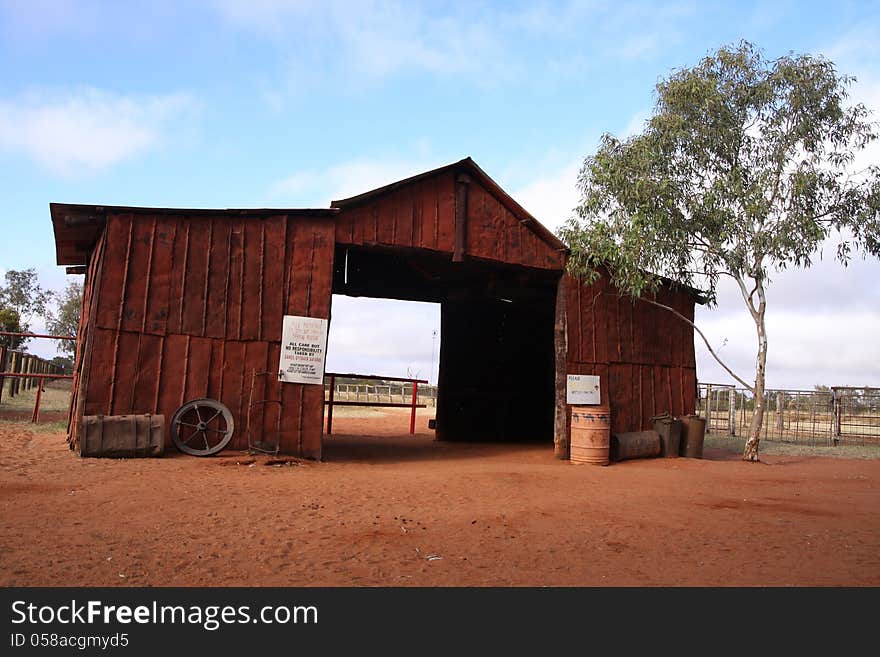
(731, 411)
(780, 420)
(708, 409)
(412, 417)
(16, 366)
(835, 425)
(2, 369)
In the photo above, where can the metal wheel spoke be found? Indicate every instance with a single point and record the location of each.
(191, 436)
(189, 422)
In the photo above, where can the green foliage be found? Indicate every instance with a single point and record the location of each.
(66, 320)
(743, 168)
(20, 299)
(10, 321)
(64, 363)
(22, 293)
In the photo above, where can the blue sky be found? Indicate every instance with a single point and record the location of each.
(220, 103)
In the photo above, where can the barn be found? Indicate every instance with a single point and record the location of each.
(188, 303)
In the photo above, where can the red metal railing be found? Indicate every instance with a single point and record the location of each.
(413, 404)
(30, 376)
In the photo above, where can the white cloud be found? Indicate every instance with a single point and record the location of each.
(376, 38)
(378, 336)
(552, 196)
(317, 187)
(482, 44)
(88, 129)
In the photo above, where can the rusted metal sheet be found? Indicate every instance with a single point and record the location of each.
(122, 436)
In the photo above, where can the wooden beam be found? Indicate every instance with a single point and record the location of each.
(462, 181)
(78, 269)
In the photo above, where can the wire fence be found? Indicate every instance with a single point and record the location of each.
(837, 415)
(382, 393)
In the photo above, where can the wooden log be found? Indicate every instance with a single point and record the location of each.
(561, 438)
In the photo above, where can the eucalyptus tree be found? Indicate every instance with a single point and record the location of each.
(746, 167)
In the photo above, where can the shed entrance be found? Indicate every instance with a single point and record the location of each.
(496, 364)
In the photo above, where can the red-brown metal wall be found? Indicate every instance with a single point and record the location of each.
(643, 354)
(189, 307)
(422, 215)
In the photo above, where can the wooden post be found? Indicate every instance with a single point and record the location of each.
(3, 351)
(835, 426)
(36, 414)
(708, 409)
(16, 382)
(330, 405)
(462, 181)
(561, 438)
(412, 417)
(780, 421)
(731, 412)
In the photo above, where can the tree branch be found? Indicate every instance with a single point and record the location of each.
(708, 346)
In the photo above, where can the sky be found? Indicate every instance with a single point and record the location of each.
(285, 103)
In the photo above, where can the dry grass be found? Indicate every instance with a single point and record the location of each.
(736, 444)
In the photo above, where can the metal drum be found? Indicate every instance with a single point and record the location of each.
(669, 429)
(693, 431)
(590, 434)
(635, 445)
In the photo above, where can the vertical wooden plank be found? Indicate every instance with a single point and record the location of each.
(446, 213)
(233, 286)
(255, 356)
(233, 384)
(199, 368)
(273, 287)
(218, 279)
(111, 286)
(250, 300)
(125, 374)
(161, 274)
(195, 295)
(147, 374)
(97, 396)
(173, 375)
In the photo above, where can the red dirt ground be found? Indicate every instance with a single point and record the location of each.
(386, 509)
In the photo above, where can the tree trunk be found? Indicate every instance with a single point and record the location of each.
(750, 453)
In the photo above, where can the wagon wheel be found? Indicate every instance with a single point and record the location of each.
(202, 427)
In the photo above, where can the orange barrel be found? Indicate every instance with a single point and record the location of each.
(693, 431)
(590, 434)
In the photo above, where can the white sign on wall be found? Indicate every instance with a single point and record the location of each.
(582, 389)
(303, 348)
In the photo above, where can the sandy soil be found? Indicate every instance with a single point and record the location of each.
(391, 509)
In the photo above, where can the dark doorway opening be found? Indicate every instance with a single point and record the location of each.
(497, 360)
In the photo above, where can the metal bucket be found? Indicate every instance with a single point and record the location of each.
(693, 431)
(590, 434)
(669, 429)
(635, 445)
